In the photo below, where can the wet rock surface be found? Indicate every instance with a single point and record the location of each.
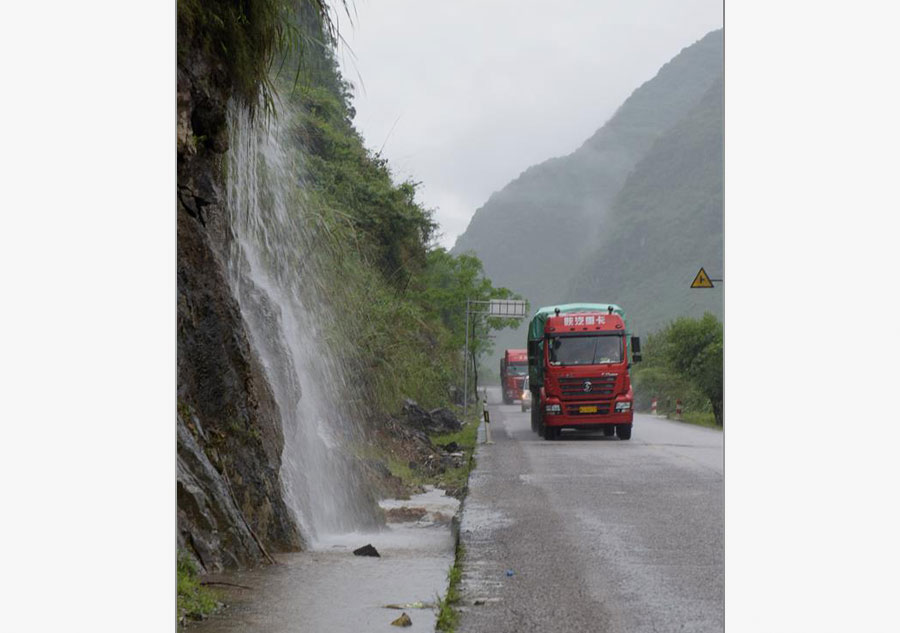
(229, 433)
(210, 523)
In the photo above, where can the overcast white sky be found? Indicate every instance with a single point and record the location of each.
(476, 91)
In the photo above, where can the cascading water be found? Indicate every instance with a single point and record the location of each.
(270, 266)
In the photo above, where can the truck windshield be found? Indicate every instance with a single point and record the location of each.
(585, 350)
(516, 370)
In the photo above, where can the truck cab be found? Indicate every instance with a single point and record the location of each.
(582, 372)
(513, 370)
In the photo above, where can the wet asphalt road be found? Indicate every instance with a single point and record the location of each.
(599, 534)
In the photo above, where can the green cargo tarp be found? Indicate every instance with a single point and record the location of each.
(536, 328)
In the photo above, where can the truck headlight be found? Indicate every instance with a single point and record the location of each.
(553, 409)
(623, 406)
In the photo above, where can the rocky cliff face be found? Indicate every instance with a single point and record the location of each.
(230, 496)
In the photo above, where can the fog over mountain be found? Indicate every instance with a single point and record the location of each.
(664, 224)
(546, 233)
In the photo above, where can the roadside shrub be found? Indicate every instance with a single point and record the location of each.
(683, 361)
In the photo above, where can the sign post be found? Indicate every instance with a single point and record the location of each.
(495, 308)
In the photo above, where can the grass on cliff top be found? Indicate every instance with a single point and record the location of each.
(245, 41)
(195, 601)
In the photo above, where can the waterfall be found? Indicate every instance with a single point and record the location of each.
(271, 268)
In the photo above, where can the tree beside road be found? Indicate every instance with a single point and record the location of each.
(683, 361)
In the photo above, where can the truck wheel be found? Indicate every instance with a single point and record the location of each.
(609, 430)
(624, 431)
(506, 400)
(550, 433)
(534, 421)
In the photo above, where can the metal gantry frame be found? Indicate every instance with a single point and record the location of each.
(501, 308)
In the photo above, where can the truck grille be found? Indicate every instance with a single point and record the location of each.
(576, 409)
(600, 386)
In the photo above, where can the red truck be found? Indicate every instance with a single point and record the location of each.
(579, 357)
(513, 369)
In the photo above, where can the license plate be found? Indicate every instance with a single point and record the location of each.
(587, 409)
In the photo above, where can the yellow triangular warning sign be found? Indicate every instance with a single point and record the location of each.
(702, 280)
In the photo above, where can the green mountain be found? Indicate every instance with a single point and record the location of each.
(537, 232)
(664, 224)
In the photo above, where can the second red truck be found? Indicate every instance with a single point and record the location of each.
(513, 369)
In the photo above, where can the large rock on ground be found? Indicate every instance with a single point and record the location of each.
(436, 421)
(445, 420)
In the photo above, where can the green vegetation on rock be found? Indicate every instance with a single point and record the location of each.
(398, 300)
(195, 602)
(241, 39)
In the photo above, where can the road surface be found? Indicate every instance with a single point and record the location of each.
(594, 534)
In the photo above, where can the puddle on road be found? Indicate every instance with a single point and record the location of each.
(330, 589)
(483, 519)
